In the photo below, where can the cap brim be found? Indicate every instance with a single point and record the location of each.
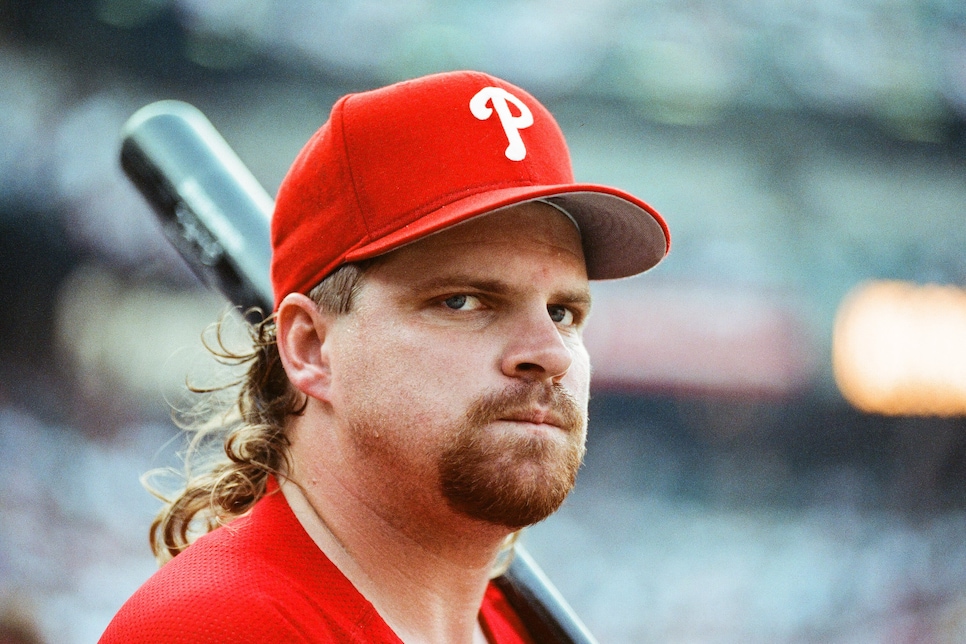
(621, 235)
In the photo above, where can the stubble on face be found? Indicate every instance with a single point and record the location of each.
(514, 478)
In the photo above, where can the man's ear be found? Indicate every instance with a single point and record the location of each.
(300, 331)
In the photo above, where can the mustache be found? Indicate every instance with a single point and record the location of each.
(520, 400)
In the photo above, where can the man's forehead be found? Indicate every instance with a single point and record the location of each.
(527, 247)
(515, 227)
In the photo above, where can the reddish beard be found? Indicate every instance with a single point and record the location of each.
(520, 478)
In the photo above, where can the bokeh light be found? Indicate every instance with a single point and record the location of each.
(900, 348)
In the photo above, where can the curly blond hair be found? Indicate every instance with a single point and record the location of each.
(218, 487)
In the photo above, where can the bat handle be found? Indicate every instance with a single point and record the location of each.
(539, 604)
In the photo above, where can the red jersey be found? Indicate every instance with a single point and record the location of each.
(261, 579)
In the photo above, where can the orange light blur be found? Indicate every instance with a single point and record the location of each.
(900, 349)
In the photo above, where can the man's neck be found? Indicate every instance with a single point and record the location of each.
(427, 586)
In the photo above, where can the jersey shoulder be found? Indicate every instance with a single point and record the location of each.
(217, 590)
(259, 579)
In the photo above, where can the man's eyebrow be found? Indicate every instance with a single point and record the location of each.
(459, 281)
(576, 296)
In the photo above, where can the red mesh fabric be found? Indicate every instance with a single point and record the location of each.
(263, 580)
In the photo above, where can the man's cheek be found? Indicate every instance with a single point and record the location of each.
(581, 371)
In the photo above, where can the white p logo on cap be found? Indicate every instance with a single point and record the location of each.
(499, 97)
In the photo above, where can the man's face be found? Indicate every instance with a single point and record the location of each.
(460, 374)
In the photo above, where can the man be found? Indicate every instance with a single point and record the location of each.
(421, 391)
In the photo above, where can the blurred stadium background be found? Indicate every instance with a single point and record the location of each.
(778, 444)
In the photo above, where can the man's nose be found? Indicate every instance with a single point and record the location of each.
(536, 349)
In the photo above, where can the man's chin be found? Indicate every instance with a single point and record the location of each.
(519, 486)
(511, 464)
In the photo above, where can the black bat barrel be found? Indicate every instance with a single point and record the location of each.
(210, 206)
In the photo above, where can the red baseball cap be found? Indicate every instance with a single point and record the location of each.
(395, 164)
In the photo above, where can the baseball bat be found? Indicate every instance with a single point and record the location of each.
(217, 215)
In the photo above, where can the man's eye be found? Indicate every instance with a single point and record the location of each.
(462, 302)
(561, 314)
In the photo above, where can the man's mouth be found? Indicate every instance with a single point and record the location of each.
(535, 417)
(542, 408)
